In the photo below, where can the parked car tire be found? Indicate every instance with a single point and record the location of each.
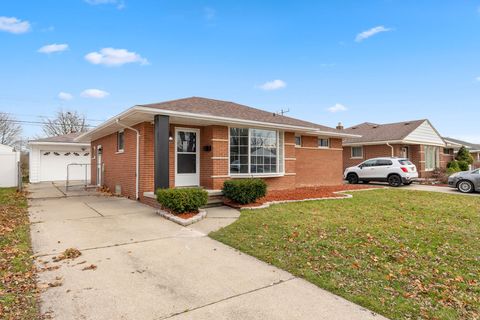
(352, 178)
(465, 186)
(394, 180)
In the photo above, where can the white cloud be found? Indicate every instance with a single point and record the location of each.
(94, 93)
(477, 78)
(65, 96)
(337, 108)
(14, 25)
(51, 48)
(209, 13)
(273, 85)
(115, 57)
(371, 32)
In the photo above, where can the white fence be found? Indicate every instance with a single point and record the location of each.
(9, 174)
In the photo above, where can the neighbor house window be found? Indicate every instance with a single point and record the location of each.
(357, 152)
(298, 141)
(256, 151)
(323, 142)
(120, 141)
(432, 158)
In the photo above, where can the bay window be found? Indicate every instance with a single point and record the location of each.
(256, 151)
(432, 158)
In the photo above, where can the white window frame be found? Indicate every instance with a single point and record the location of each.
(323, 147)
(260, 175)
(118, 145)
(351, 152)
(300, 137)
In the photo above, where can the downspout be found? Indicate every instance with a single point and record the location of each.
(393, 150)
(137, 157)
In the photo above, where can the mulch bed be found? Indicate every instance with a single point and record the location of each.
(300, 194)
(185, 215)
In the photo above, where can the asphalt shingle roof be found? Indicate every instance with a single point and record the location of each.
(66, 138)
(371, 132)
(472, 146)
(227, 109)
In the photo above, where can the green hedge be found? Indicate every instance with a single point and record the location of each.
(244, 191)
(182, 200)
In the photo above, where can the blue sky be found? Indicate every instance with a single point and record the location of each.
(377, 61)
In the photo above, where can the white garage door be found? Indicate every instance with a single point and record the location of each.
(53, 165)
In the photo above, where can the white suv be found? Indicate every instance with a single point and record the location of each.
(395, 171)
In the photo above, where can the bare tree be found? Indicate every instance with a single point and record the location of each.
(10, 130)
(65, 123)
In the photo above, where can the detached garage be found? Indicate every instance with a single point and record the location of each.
(50, 157)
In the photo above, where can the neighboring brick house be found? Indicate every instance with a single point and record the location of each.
(455, 144)
(203, 142)
(417, 140)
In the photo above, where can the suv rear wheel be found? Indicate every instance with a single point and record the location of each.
(394, 180)
(465, 186)
(352, 178)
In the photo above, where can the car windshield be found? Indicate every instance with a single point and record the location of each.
(405, 162)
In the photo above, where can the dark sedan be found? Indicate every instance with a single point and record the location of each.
(465, 181)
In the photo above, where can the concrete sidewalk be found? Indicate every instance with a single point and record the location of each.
(146, 267)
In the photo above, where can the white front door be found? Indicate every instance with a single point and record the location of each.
(187, 157)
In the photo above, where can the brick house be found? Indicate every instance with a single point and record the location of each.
(474, 149)
(417, 140)
(203, 142)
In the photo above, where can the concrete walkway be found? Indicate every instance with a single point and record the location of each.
(146, 267)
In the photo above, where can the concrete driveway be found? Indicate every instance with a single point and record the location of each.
(146, 267)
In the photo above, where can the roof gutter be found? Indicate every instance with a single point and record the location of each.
(391, 147)
(189, 115)
(372, 143)
(137, 156)
(49, 143)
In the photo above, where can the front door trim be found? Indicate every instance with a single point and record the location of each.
(196, 181)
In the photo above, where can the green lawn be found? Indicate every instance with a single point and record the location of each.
(17, 276)
(403, 254)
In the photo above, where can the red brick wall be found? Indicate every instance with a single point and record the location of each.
(304, 166)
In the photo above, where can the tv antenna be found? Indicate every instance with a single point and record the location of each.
(282, 112)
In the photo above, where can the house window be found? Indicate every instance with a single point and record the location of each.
(120, 141)
(357, 152)
(323, 143)
(256, 151)
(432, 158)
(447, 151)
(298, 141)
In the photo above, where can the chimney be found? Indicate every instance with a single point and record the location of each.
(339, 126)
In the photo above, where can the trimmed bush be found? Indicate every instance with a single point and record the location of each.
(182, 200)
(244, 191)
(453, 166)
(464, 165)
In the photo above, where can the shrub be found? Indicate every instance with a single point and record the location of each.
(463, 165)
(244, 191)
(464, 155)
(440, 175)
(453, 166)
(182, 200)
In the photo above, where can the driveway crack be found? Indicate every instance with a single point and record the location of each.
(227, 298)
(93, 209)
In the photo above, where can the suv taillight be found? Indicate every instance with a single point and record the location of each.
(404, 169)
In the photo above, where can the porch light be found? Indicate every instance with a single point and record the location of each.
(170, 137)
